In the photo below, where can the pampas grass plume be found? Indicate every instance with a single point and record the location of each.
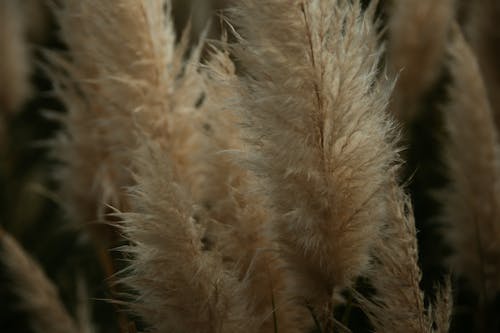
(398, 303)
(318, 137)
(239, 212)
(119, 77)
(182, 287)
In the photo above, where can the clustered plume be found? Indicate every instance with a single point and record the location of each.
(254, 183)
(317, 138)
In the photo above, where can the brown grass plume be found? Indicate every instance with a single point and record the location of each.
(398, 304)
(119, 75)
(318, 137)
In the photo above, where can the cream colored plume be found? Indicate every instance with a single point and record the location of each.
(398, 303)
(318, 137)
(119, 75)
(236, 212)
(182, 285)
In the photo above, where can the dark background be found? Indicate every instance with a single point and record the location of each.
(30, 212)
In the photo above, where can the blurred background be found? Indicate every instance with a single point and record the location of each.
(30, 209)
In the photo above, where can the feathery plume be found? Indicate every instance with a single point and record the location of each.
(14, 57)
(135, 79)
(442, 308)
(140, 97)
(472, 200)
(182, 287)
(398, 303)
(37, 295)
(220, 135)
(237, 213)
(418, 30)
(318, 136)
(119, 75)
